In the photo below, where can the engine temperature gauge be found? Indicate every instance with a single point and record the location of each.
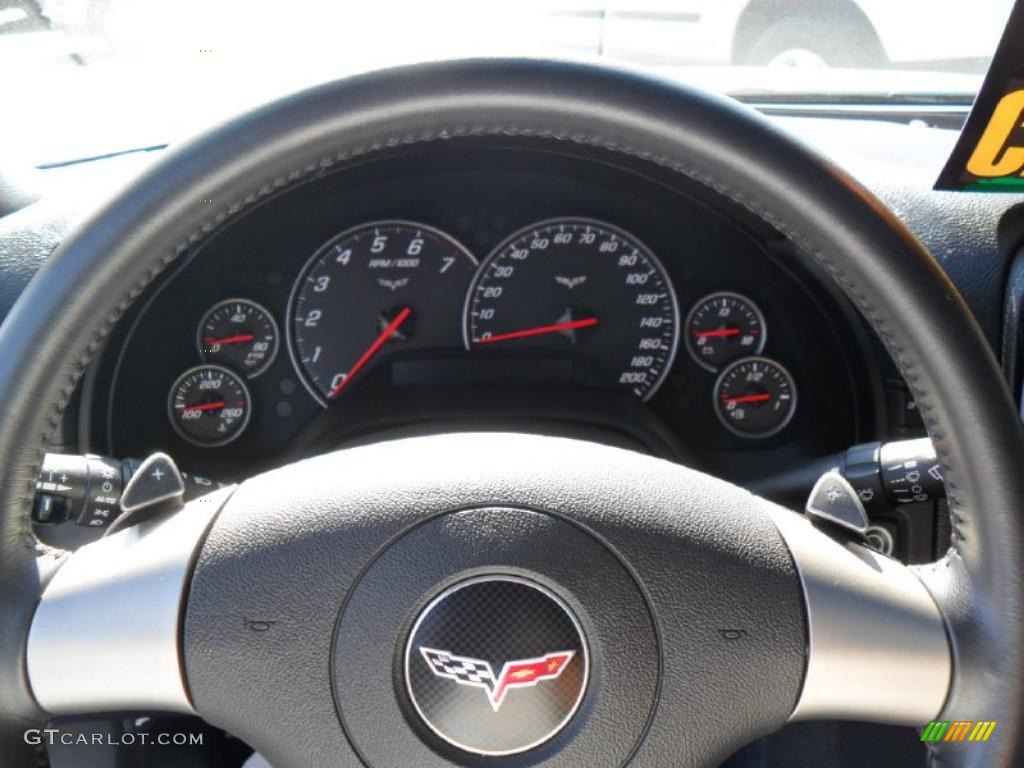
(755, 397)
(209, 405)
(723, 326)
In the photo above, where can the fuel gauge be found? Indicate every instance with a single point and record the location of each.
(755, 397)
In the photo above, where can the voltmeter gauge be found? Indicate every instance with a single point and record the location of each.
(722, 327)
(239, 334)
(755, 397)
(209, 405)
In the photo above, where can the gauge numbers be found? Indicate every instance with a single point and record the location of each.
(209, 405)
(379, 289)
(722, 327)
(755, 397)
(239, 334)
(582, 289)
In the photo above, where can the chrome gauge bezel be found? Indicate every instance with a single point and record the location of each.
(602, 225)
(200, 347)
(307, 266)
(755, 435)
(747, 353)
(199, 443)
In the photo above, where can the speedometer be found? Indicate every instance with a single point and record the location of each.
(582, 289)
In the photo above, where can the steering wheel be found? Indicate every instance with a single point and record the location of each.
(537, 600)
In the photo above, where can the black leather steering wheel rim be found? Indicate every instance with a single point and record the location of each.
(76, 298)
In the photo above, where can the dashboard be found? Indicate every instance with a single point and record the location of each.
(489, 286)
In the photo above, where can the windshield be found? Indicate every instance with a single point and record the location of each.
(91, 77)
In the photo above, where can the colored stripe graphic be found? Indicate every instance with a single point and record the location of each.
(982, 730)
(958, 730)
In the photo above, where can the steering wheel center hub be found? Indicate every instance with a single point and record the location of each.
(467, 635)
(496, 665)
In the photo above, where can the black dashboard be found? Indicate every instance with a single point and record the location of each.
(479, 194)
(489, 286)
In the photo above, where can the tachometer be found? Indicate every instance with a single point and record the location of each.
(583, 289)
(383, 287)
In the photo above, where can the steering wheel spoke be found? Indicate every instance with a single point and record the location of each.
(106, 633)
(877, 645)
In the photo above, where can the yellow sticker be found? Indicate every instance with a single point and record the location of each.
(995, 155)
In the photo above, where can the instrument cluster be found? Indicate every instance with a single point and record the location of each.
(575, 290)
(483, 300)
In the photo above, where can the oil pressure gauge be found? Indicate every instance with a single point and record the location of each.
(239, 334)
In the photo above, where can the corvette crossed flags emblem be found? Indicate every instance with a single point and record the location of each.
(479, 674)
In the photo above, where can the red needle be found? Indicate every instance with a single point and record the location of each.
(400, 318)
(568, 326)
(719, 332)
(205, 406)
(237, 339)
(747, 399)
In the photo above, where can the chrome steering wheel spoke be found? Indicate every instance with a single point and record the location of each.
(877, 647)
(106, 635)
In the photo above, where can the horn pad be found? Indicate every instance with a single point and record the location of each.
(467, 637)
